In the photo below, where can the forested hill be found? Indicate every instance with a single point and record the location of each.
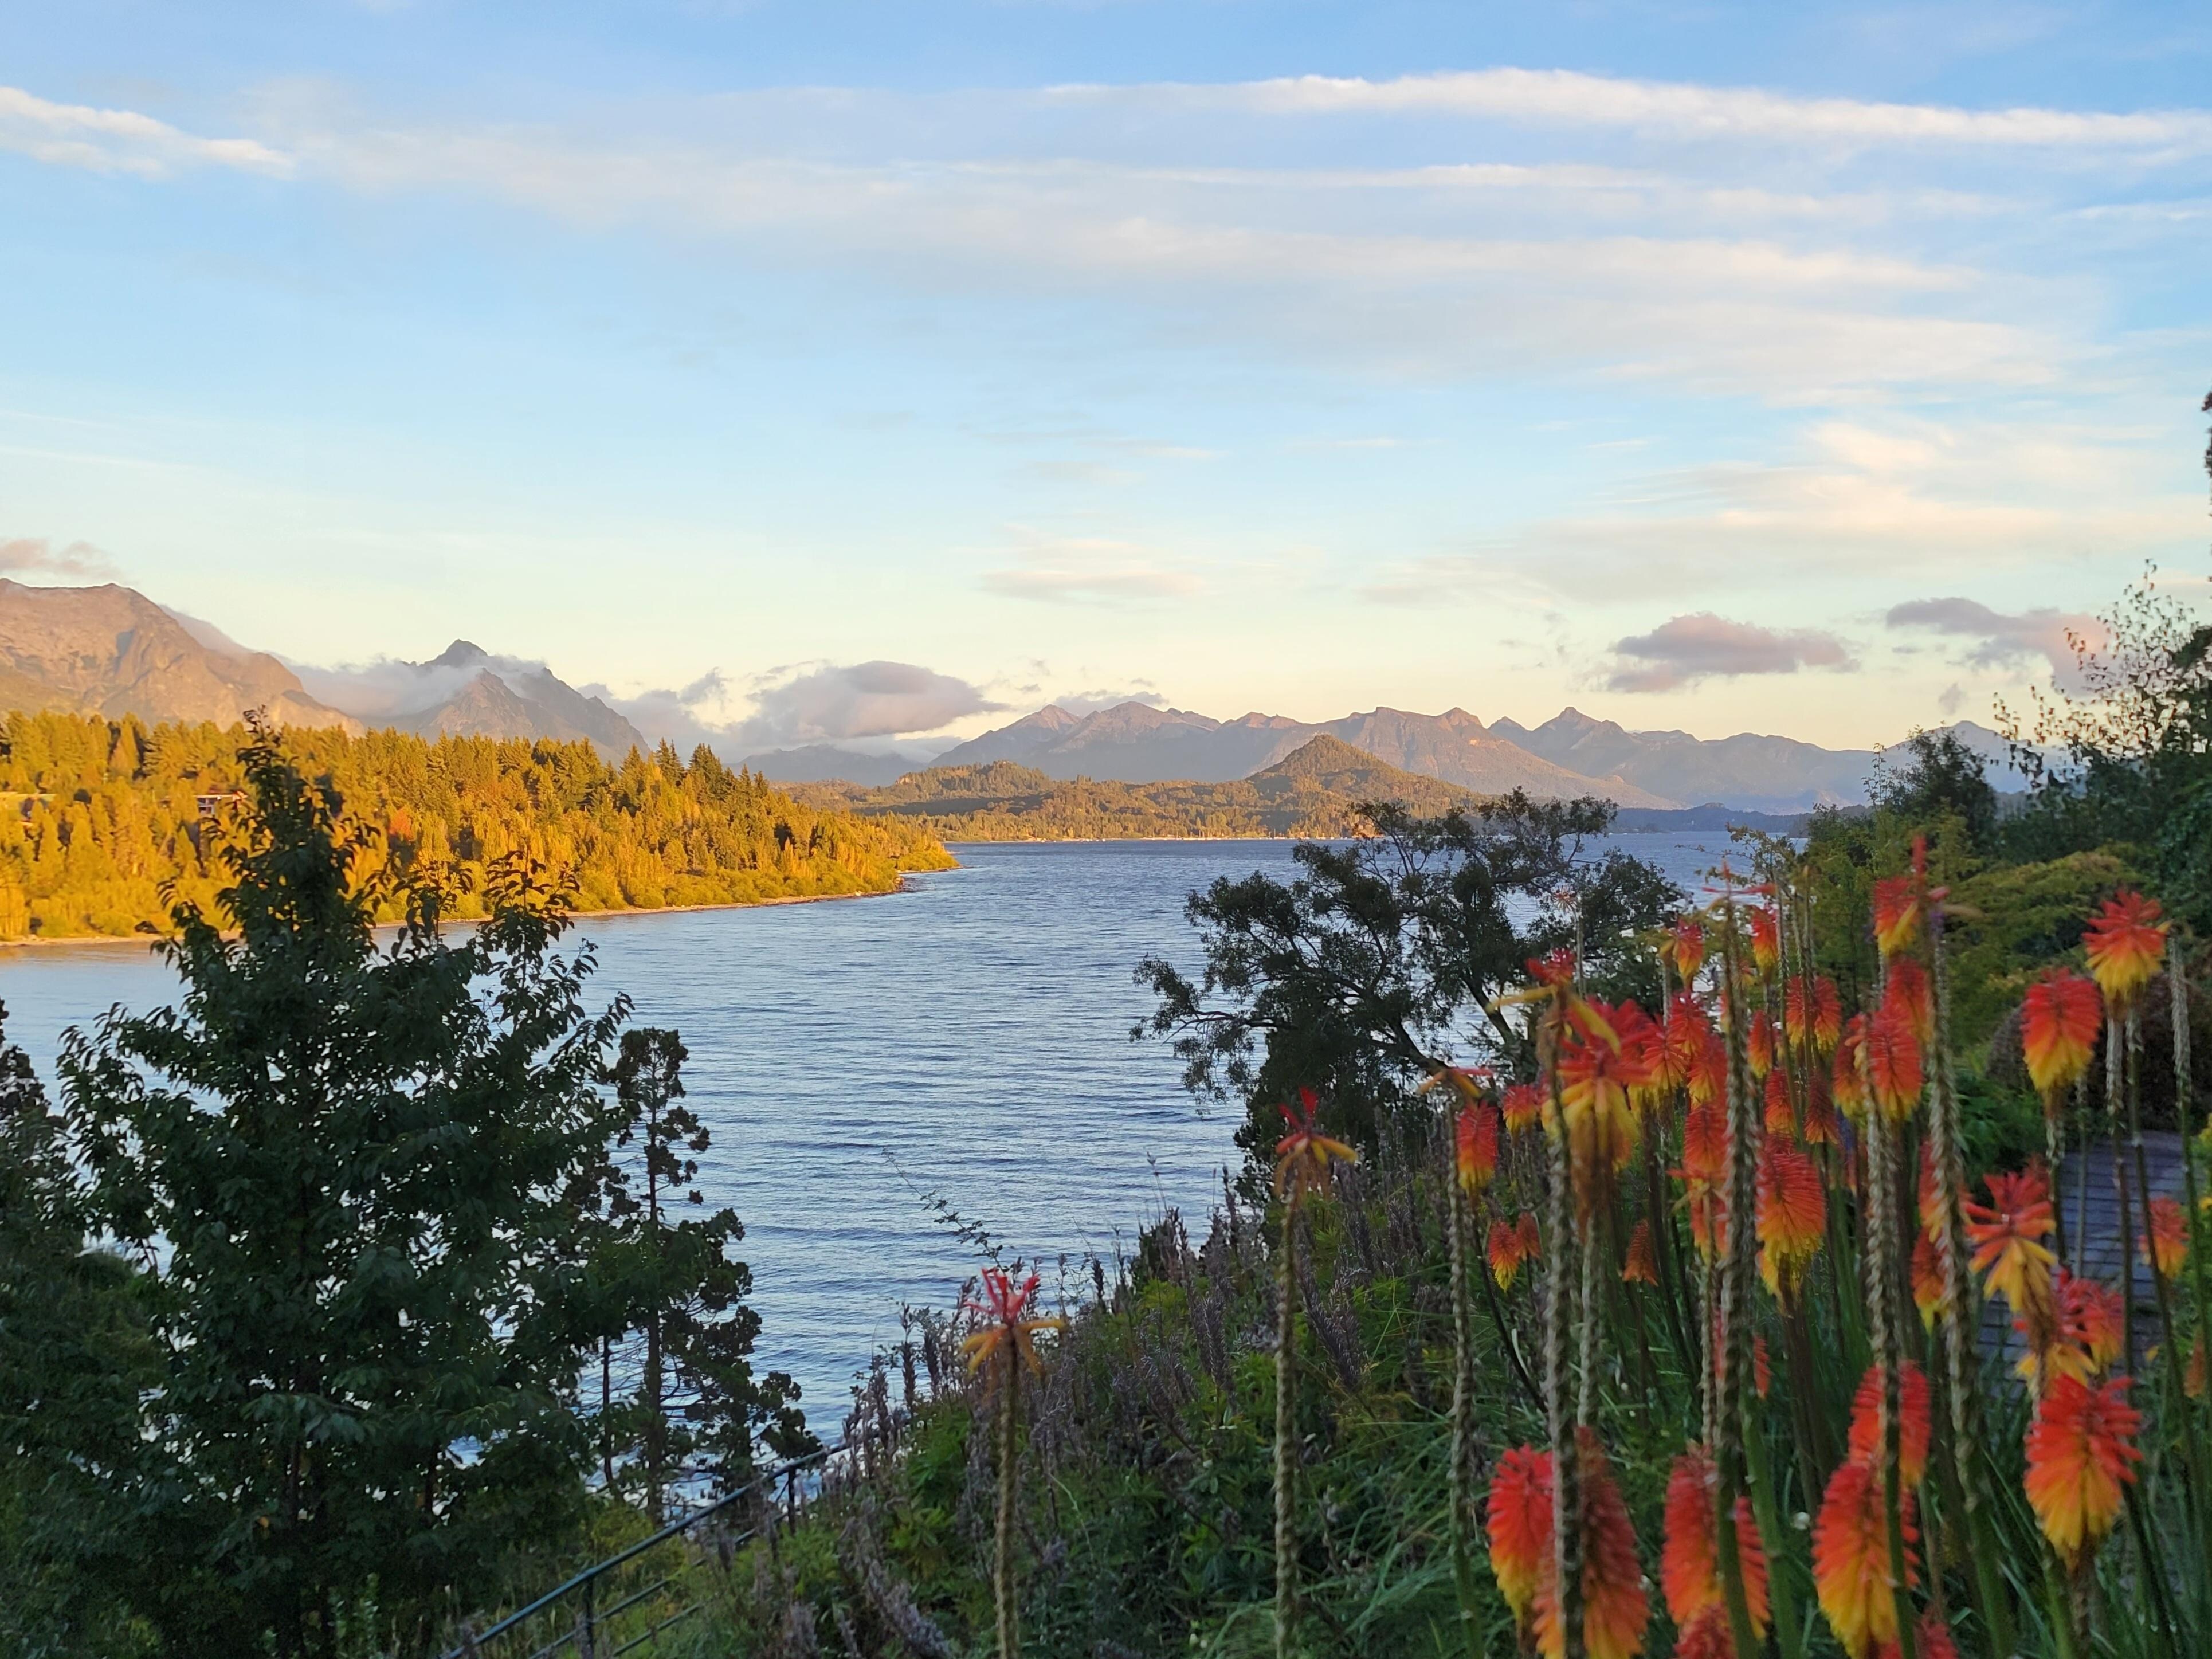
(1316, 792)
(97, 815)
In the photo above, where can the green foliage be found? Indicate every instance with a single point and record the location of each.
(1383, 958)
(100, 822)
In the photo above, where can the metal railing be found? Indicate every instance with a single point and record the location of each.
(593, 1631)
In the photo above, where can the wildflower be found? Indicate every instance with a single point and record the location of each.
(1850, 1558)
(1907, 990)
(1614, 1612)
(1555, 970)
(1684, 948)
(1931, 1197)
(1819, 1112)
(1819, 1034)
(1005, 1329)
(1689, 1564)
(1781, 1111)
(1759, 1044)
(1793, 1210)
(1708, 1082)
(1303, 1156)
(2124, 944)
(1523, 1104)
(1914, 1422)
(1892, 1057)
(1931, 1639)
(2079, 1454)
(1898, 901)
(1929, 1288)
(1703, 1175)
(1640, 1267)
(2058, 1031)
(1766, 939)
(1474, 1148)
(1520, 1520)
(1532, 1241)
(1849, 1083)
(2166, 1237)
(1597, 1070)
(2090, 1332)
(1505, 1253)
(2007, 1235)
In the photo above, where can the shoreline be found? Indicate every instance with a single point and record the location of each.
(70, 941)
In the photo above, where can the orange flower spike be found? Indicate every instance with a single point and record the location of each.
(1759, 1044)
(1689, 1564)
(1848, 1083)
(2080, 1452)
(1684, 947)
(1520, 1524)
(1703, 1175)
(1932, 1640)
(1475, 1147)
(1006, 1328)
(1828, 1015)
(1531, 1238)
(1850, 1559)
(1819, 1114)
(1793, 1216)
(1931, 1200)
(1893, 1073)
(2165, 1243)
(1914, 1422)
(1523, 1104)
(1708, 1082)
(2007, 1234)
(1897, 907)
(1765, 940)
(1908, 991)
(2124, 945)
(2058, 1025)
(1504, 1251)
(1927, 1286)
(1762, 1371)
(1781, 1113)
(1595, 1078)
(1614, 1611)
(1303, 1157)
(1640, 1267)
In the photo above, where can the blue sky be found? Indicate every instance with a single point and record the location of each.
(1695, 365)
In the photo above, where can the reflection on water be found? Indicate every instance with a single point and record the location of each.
(968, 1037)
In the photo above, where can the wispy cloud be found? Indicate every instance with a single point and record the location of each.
(1685, 650)
(70, 559)
(120, 139)
(1075, 569)
(832, 701)
(1995, 639)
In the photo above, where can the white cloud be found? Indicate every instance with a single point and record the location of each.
(71, 559)
(1684, 650)
(1995, 639)
(120, 139)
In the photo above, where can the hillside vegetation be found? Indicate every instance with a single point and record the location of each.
(98, 817)
(1317, 793)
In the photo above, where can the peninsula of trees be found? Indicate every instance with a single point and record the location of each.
(100, 818)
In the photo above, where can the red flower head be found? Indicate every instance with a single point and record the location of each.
(1849, 1083)
(1897, 907)
(1931, 1199)
(2007, 1234)
(1827, 1018)
(1927, 1286)
(1523, 1104)
(2166, 1237)
(1520, 1518)
(1819, 1114)
(1303, 1156)
(1555, 970)
(1614, 1612)
(1893, 1076)
(1762, 1370)
(1932, 1640)
(1907, 991)
(1913, 1422)
(1850, 1559)
(2124, 943)
(2090, 1332)
(1475, 1147)
(1703, 1175)
(1793, 1212)
(1759, 1044)
(1689, 1565)
(1597, 1069)
(1684, 947)
(1766, 939)
(1682, 1042)
(2058, 1024)
(1005, 1328)
(1505, 1255)
(1781, 1112)
(1532, 1239)
(1641, 1266)
(1708, 1081)
(2080, 1451)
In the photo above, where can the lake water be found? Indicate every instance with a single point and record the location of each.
(967, 1038)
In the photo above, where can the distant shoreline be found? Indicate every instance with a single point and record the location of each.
(69, 940)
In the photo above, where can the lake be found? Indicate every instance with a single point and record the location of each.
(966, 1037)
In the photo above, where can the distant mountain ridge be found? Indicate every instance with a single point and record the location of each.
(502, 699)
(112, 651)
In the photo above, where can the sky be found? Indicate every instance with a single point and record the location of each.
(809, 370)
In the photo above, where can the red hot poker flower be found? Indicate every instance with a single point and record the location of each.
(2058, 1025)
(1849, 1084)
(2124, 944)
(1531, 1239)
(1504, 1254)
(1928, 1289)
(1913, 1422)
(2090, 1330)
(1759, 1044)
(2166, 1237)
(1897, 905)
(1781, 1111)
(1906, 989)
(1614, 1612)
(1766, 939)
(1640, 1267)
(1893, 1073)
(1684, 947)
(1819, 1112)
(1793, 1213)
(1520, 1525)
(1828, 1015)
(1475, 1147)
(1850, 1559)
(1689, 1565)
(2080, 1452)
(2007, 1234)
(1007, 1329)
(1303, 1156)
(1523, 1105)
(1703, 1175)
